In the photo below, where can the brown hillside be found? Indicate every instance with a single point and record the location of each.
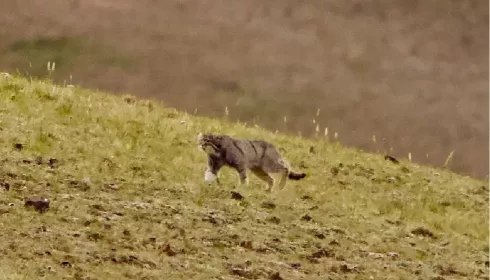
(412, 72)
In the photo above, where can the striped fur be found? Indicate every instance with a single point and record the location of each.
(259, 156)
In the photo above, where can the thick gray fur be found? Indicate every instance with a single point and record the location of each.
(259, 156)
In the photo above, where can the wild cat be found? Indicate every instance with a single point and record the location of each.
(259, 156)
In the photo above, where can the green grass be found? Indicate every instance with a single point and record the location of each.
(129, 183)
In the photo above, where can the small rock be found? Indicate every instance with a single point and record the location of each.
(39, 160)
(392, 159)
(423, 232)
(40, 204)
(94, 236)
(274, 220)
(320, 235)
(334, 243)
(53, 163)
(246, 244)
(306, 217)
(268, 205)
(66, 264)
(393, 254)
(112, 186)
(306, 197)
(165, 248)
(345, 268)
(312, 150)
(236, 196)
(18, 146)
(295, 265)
(276, 276)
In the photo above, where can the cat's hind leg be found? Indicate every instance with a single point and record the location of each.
(264, 176)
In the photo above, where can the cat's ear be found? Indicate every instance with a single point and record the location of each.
(199, 136)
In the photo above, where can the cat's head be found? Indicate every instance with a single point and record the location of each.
(209, 143)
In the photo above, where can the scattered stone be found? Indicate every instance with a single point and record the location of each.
(112, 186)
(295, 265)
(306, 197)
(165, 248)
(312, 149)
(320, 235)
(346, 268)
(396, 223)
(5, 185)
(81, 185)
(393, 255)
(274, 220)
(39, 203)
(39, 160)
(246, 244)
(306, 217)
(423, 232)
(268, 205)
(53, 163)
(66, 264)
(392, 159)
(276, 276)
(445, 203)
(334, 243)
(18, 146)
(236, 196)
(335, 170)
(94, 236)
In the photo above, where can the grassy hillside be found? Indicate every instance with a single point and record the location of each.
(414, 73)
(128, 201)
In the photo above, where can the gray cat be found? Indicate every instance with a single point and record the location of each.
(259, 156)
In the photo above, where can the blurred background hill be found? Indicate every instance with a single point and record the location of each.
(414, 73)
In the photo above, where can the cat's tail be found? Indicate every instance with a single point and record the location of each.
(296, 176)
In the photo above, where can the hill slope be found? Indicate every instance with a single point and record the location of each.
(412, 72)
(128, 201)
